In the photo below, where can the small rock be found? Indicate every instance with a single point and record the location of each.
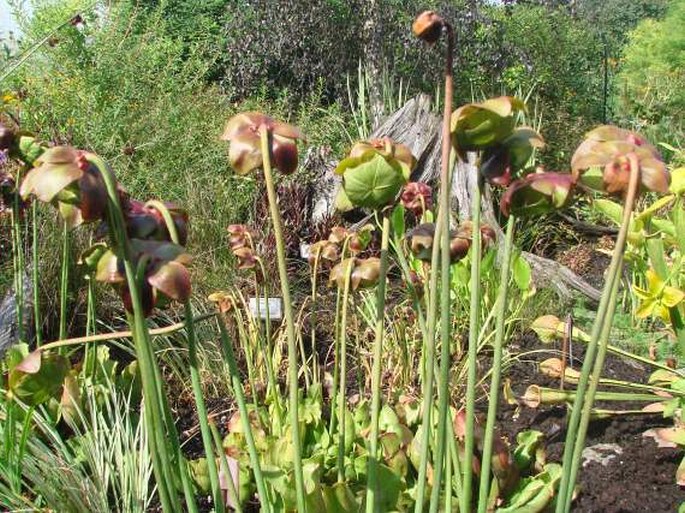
(601, 453)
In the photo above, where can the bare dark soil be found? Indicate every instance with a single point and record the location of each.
(641, 479)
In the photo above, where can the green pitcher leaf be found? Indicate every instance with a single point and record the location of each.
(339, 499)
(38, 378)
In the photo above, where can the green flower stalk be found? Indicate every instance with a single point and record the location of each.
(617, 162)
(195, 378)
(474, 318)
(428, 26)
(257, 141)
(237, 386)
(495, 380)
(372, 489)
(37, 317)
(160, 451)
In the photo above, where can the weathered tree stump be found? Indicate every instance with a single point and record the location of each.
(418, 127)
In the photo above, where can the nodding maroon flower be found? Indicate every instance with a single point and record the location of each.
(478, 126)
(537, 194)
(461, 238)
(364, 272)
(338, 234)
(243, 131)
(166, 275)
(602, 161)
(223, 300)
(8, 190)
(239, 236)
(246, 258)
(64, 177)
(324, 250)
(352, 242)
(417, 197)
(500, 163)
(428, 26)
(145, 222)
(421, 240)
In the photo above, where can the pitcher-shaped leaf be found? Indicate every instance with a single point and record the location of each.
(38, 378)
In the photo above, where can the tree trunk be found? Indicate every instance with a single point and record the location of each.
(418, 127)
(373, 57)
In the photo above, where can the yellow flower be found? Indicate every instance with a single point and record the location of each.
(658, 299)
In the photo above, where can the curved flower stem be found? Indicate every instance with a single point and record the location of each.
(372, 489)
(441, 233)
(195, 378)
(290, 321)
(168, 219)
(37, 319)
(474, 330)
(495, 379)
(18, 260)
(161, 459)
(342, 391)
(577, 427)
(196, 382)
(64, 282)
(312, 319)
(237, 385)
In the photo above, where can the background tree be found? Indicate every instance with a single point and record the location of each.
(651, 82)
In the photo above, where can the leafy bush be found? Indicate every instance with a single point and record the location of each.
(651, 83)
(558, 79)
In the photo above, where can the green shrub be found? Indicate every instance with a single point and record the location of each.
(651, 83)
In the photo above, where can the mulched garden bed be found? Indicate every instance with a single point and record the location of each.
(639, 479)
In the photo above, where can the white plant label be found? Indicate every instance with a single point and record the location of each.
(275, 308)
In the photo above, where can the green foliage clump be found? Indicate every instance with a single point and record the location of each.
(555, 57)
(651, 83)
